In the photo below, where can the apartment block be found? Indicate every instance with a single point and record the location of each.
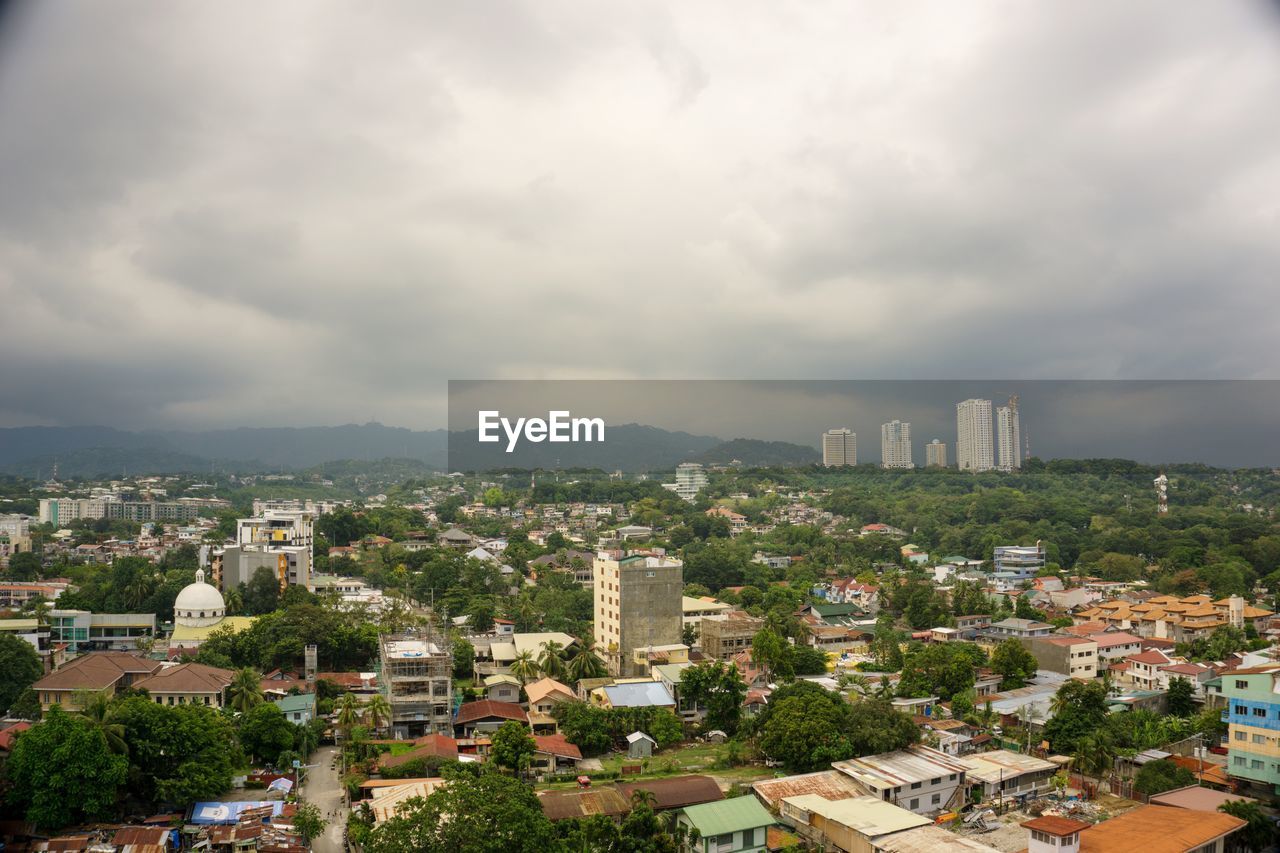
(974, 449)
(1253, 721)
(935, 454)
(895, 445)
(839, 447)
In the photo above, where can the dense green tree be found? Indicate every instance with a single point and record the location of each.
(474, 813)
(940, 669)
(1256, 835)
(262, 593)
(265, 732)
(585, 663)
(718, 687)
(308, 821)
(512, 746)
(464, 658)
(1078, 710)
(1014, 663)
(62, 772)
(23, 566)
(245, 690)
(1156, 777)
(19, 668)
(1181, 697)
(177, 753)
(807, 727)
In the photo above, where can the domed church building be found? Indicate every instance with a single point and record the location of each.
(198, 611)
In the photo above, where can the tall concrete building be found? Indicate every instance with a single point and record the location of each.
(895, 445)
(690, 479)
(935, 454)
(839, 447)
(638, 604)
(1008, 437)
(278, 539)
(974, 451)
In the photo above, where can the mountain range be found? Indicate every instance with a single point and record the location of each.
(93, 451)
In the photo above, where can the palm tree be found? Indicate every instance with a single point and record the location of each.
(378, 711)
(1257, 832)
(138, 590)
(643, 797)
(856, 682)
(348, 713)
(96, 708)
(551, 661)
(234, 600)
(585, 663)
(245, 690)
(524, 666)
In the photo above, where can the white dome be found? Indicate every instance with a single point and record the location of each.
(199, 604)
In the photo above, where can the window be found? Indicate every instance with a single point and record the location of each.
(915, 804)
(1255, 764)
(937, 798)
(1259, 739)
(915, 786)
(1238, 761)
(935, 781)
(1259, 712)
(1242, 684)
(1241, 736)
(724, 843)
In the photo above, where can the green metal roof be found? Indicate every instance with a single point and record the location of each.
(825, 610)
(724, 816)
(300, 702)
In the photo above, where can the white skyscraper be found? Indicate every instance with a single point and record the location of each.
(839, 447)
(1008, 437)
(973, 436)
(895, 445)
(935, 454)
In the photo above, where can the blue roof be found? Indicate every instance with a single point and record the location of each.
(639, 694)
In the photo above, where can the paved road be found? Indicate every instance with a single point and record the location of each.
(322, 787)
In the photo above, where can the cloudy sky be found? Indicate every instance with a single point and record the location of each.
(294, 213)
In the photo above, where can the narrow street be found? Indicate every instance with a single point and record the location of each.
(323, 787)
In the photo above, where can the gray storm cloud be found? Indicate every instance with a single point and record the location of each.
(318, 212)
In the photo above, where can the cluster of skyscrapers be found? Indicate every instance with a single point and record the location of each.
(979, 447)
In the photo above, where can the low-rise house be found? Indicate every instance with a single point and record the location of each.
(634, 694)
(1074, 657)
(675, 792)
(299, 709)
(96, 672)
(554, 754)
(502, 688)
(1019, 628)
(828, 784)
(737, 825)
(1150, 829)
(852, 823)
(1002, 775)
(486, 716)
(918, 778)
(545, 694)
(1115, 646)
(577, 804)
(188, 684)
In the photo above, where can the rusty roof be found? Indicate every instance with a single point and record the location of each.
(828, 784)
(675, 792)
(562, 805)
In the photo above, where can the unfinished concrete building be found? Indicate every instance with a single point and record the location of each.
(637, 605)
(723, 638)
(417, 678)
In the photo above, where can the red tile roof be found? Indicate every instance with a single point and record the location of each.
(557, 745)
(472, 711)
